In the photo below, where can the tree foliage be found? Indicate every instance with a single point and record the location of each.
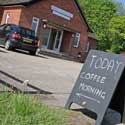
(98, 14)
(117, 34)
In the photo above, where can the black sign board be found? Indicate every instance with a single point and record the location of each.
(100, 84)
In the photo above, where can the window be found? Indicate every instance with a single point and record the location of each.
(46, 35)
(7, 18)
(30, 33)
(2, 27)
(26, 32)
(87, 47)
(7, 28)
(35, 23)
(76, 40)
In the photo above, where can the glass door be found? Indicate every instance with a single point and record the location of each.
(46, 38)
(58, 40)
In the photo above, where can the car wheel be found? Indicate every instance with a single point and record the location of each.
(7, 45)
(32, 52)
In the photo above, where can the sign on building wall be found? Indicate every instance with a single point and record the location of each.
(100, 79)
(61, 13)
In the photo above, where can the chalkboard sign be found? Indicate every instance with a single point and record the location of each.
(97, 83)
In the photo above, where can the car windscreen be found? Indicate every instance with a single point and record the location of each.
(14, 28)
(2, 27)
(26, 32)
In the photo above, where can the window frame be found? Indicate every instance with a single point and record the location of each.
(2, 26)
(33, 21)
(7, 28)
(77, 35)
(7, 18)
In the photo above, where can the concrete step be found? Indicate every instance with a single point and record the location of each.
(52, 53)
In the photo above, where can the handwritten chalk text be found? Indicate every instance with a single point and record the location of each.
(105, 64)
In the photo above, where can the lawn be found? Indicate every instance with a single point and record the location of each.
(19, 109)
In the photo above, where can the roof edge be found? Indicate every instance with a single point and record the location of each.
(25, 3)
(89, 29)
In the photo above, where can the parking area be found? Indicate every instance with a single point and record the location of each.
(45, 74)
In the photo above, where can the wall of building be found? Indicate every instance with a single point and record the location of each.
(66, 42)
(42, 10)
(14, 14)
(92, 43)
(1, 13)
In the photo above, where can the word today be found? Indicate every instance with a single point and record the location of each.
(105, 64)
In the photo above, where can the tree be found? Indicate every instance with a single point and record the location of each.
(117, 34)
(98, 13)
(120, 9)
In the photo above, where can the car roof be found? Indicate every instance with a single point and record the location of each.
(14, 25)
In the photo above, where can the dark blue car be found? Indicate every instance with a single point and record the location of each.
(17, 37)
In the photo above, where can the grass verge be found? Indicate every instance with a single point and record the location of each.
(19, 109)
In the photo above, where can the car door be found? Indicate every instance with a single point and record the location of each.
(2, 34)
(7, 31)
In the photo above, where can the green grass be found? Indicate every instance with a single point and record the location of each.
(19, 109)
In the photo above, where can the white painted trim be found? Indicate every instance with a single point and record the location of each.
(46, 46)
(7, 18)
(78, 36)
(61, 15)
(49, 37)
(35, 18)
(61, 12)
(60, 41)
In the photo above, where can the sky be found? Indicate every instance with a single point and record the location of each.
(123, 2)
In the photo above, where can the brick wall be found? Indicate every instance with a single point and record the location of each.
(92, 43)
(42, 10)
(66, 42)
(1, 13)
(14, 13)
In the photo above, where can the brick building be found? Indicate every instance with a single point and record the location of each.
(60, 24)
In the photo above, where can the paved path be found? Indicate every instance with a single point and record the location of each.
(46, 73)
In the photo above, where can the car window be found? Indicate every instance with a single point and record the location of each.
(2, 27)
(22, 31)
(13, 28)
(7, 28)
(26, 32)
(30, 33)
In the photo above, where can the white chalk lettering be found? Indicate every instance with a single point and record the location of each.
(111, 65)
(93, 56)
(118, 65)
(102, 80)
(105, 64)
(98, 63)
(92, 90)
(93, 77)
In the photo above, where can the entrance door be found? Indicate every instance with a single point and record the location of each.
(58, 40)
(52, 39)
(46, 38)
